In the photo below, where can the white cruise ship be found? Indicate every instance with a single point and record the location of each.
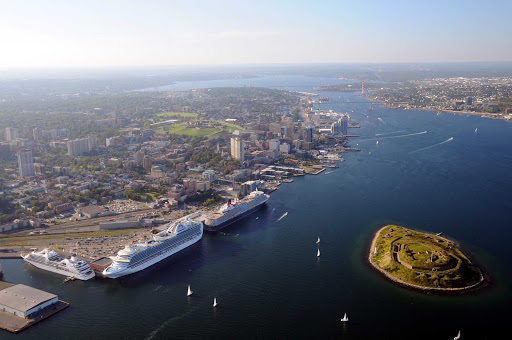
(49, 260)
(232, 212)
(134, 258)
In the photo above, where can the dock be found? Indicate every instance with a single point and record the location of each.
(15, 323)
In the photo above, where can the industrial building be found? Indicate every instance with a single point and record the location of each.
(23, 301)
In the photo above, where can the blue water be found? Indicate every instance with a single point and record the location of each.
(265, 273)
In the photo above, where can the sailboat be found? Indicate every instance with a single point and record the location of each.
(457, 337)
(318, 253)
(318, 241)
(476, 130)
(189, 292)
(377, 143)
(214, 302)
(345, 318)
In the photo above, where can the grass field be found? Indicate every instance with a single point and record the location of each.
(173, 114)
(185, 129)
(22, 240)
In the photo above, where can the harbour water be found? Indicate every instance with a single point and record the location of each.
(266, 276)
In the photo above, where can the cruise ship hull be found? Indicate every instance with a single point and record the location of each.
(60, 271)
(214, 228)
(148, 263)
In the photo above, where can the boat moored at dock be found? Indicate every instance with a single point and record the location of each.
(232, 212)
(133, 258)
(50, 260)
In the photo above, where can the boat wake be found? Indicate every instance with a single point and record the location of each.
(329, 172)
(381, 120)
(282, 216)
(388, 133)
(431, 146)
(399, 136)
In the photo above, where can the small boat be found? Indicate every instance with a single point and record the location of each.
(214, 302)
(345, 318)
(457, 337)
(318, 241)
(318, 253)
(476, 130)
(377, 143)
(283, 216)
(257, 217)
(189, 292)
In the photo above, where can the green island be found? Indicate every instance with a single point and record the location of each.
(423, 261)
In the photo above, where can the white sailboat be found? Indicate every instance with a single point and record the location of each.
(189, 292)
(476, 130)
(318, 253)
(345, 318)
(377, 143)
(214, 302)
(318, 241)
(457, 337)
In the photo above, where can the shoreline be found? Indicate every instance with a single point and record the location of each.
(482, 282)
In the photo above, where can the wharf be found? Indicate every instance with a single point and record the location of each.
(16, 324)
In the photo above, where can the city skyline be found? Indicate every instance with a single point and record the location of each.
(158, 33)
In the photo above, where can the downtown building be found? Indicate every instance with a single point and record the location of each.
(237, 149)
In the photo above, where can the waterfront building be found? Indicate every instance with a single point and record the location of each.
(22, 300)
(25, 163)
(237, 149)
(11, 134)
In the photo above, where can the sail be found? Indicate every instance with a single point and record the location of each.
(214, 302)
(318, 253)
(189, 292)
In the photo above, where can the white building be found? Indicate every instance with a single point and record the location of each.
(11, 134)
(92, 141)
(210, 175)
(274, 144)
(22, 300)
(284, 148)
(237, 149)
(78, 147)
(25, 163)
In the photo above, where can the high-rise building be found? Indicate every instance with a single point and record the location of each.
(138, 157)
(11, 134)
(25, 163)
(344, 124)
(309, 134)
(92, 141)
(36, 132)
(78, 147)
(147, 163)
(237, 148)
(274, 144)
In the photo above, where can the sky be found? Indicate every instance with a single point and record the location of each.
(112, 33)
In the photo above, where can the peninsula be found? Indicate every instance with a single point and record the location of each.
(423, 261)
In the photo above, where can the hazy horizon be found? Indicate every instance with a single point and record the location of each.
(131, 34)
